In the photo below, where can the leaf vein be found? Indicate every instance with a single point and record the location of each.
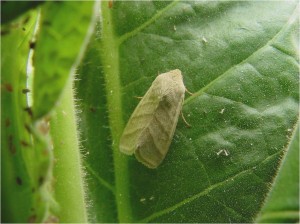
(231, 210)
(197, 158)
(100, 179)
(200, 194)
(134, 32)
(261, 49)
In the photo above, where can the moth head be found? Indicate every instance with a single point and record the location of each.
(176, 75)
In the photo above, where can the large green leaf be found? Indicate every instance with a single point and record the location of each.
(241, 61)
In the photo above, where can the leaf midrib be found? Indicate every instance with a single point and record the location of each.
(110, 58)
(109, 49)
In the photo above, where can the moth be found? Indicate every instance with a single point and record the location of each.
(150, 129)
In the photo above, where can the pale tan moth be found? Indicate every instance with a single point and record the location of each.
(150, 129)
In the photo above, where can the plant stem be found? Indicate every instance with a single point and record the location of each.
(69, 185)
(110, 57)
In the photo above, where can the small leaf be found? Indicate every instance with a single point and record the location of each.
(59, 46)
(282, 204)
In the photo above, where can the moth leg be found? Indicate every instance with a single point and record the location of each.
(189, 92)
(186, 123)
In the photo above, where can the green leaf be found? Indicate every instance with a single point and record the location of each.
(62, 38)
(25, 155)
(241, 61)
(282, 204)
(27, 161)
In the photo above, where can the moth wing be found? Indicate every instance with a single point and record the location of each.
(157, 136)
(140, 119)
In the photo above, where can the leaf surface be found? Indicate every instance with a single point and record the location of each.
(25, 155)
(58, 50)
(241, 61)
(282, 204)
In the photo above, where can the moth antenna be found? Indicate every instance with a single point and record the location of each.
(189, 92)
(186, 123)
(138, 97)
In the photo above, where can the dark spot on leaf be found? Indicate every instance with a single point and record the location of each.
(46, 23)
(7, 122)
(27, 127)
(19, 181)
(26, 20)
(33, 59)
(29, 111)
(43, 127)
(8, 87)
(33, 190)
(92, 109)
(32, 219)
(25, 91)
(110, 4)
(4, 32)
(41, 181)
(24, 143)
(14, 25)
(47, 118)
(24, 29)
(32, 44)
(11, 146)
(45, 152)
(52, 219)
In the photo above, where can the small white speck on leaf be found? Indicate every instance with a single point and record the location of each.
(224, 152)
